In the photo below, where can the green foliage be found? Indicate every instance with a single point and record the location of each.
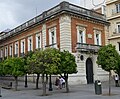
(44, 62)
(1, 68)
(68, 64)
(52, 60)
(108, 58)
(27, 58)
(14, 66)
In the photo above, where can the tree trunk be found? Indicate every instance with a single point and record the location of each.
(16, 83)
(109, 83)
(37, 80)
(66, 82)
(44, 85)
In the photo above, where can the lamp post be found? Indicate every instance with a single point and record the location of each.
(24, 56)
(26, 81)
(0, 91)
(50, 84)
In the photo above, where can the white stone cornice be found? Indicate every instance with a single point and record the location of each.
(65, 18)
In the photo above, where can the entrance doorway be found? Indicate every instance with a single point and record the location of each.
(89, 71)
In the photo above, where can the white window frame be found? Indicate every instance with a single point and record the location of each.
(118, 8)
(51, 30)
(11, 50)
(97, 32)
(38, 45)
(30, 39)
(6, 51)
(1, 53)
(83, 31)
(23, 46)
(16, 48)
(118, 28)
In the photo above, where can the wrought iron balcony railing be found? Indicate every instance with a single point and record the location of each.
(1, 59)
(22, 54)
(52, 46)
(15, 55)
(83, 47)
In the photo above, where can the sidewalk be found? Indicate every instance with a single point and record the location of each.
(76, 92)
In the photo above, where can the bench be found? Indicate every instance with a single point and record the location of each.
(7, 85)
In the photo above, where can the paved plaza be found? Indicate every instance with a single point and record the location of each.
(76, 92)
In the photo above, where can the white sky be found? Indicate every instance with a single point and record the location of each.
(15, 12)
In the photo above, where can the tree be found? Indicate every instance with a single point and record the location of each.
(117, 70)
(1, 68)
(67, 66)
(14, 66)
(108, 59)
(28, 55)
(32, 66)
(44, 62)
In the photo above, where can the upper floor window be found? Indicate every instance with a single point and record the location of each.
(81, 35)
(23, 46)
(118, 46)
(52, 36)
(1, 53)
(30, 46)
(118, 28)
(6, 51)
(97, 37)
(38, 40)
(117, 8)
(11, 50)
(16, 48)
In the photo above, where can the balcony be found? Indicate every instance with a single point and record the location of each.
(5, 57)
(110, 1)
(52, 46)
(15, 55)
(10, 55)
(63, 7)
(22, 54)
(83, 47)
(1, 59)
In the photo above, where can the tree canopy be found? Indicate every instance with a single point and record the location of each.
(68, 64)
(1, 68)
(108, 58)
(44, 62)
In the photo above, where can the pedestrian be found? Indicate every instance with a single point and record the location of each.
(57, 81)
(62, 83)
(116, 80)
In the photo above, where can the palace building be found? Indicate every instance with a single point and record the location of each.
(65, 27)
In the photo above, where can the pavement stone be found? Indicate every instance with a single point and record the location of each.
(76, 92)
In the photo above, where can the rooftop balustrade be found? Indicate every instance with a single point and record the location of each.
(63, 6)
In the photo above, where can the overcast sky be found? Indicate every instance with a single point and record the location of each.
(15, 12)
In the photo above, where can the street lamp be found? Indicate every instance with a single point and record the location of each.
(0, 91)
(50, 84)
(26, 80)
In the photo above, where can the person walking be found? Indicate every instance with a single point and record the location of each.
(57, 82)
(62, 83)
(116, 80)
